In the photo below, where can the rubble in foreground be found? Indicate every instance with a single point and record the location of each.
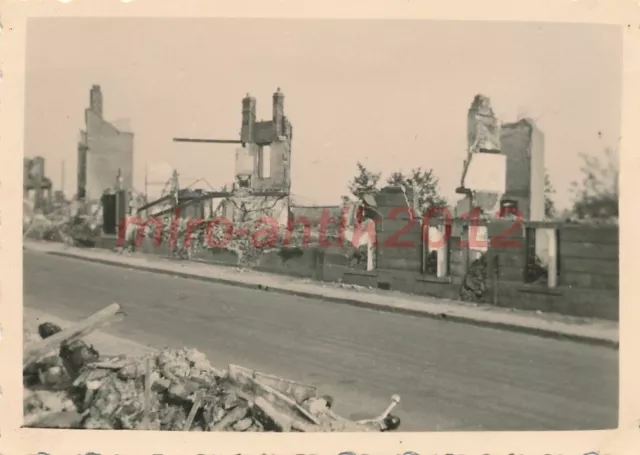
(69, 385)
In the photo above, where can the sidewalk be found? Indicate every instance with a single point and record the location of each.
(584, 330)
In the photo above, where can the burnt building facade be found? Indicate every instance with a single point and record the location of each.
(263, 165)
(505, 165)
(523, 144)
(264, 162)
(104, 152)
(36, 186)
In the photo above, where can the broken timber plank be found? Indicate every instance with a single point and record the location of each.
(197, 402)
(37, 350)
(301, 392)
(230, 418)
(285, 421)
(278, 396)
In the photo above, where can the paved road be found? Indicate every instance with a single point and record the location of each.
(450, 376)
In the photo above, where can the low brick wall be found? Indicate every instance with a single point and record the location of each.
(588, 265)
(588, 269)
(299, 262)
(218, 256)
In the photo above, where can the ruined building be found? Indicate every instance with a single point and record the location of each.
(264, 161)
(263, 165)
(504, 165)
(36, 186)
(104, 152)
(523, 144)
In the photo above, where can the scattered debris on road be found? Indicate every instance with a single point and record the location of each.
(68, 384)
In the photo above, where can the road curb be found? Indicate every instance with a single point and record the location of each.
(545, 333)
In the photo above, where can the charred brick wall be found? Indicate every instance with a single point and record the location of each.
(523, 144)
(108, 150)
(588, 269)
(588, 265)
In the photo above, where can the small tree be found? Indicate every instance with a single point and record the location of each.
(365, 181)
(549, 203)
(426, 185)
(596, 196)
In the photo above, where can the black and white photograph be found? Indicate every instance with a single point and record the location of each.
(321, 225)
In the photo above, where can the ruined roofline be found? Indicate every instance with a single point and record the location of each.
(31, 158)
(521, 122)
(480, 103)
(96, 106)
(525, 124)
(481, 107)
(30, 183)
(122, 124)
(107, 122)
(480, 114)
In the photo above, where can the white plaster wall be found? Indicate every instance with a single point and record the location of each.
(543, 240)
(487, 172)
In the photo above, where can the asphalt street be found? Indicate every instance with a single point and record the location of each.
(450, 376)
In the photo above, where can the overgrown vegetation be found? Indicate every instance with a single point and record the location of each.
(424, 181)
(549, 203)
(596, 196)
(364, 182)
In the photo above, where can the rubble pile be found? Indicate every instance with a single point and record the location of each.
(79, 229)
(536, 271)
(247, 240)
(474, 283)
(173, 389)
(40, 227)
(357, 257)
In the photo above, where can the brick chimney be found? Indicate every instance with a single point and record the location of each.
(278, 112)
(95, 100)
(248, 119)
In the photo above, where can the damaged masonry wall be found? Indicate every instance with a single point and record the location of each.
(103, 151)
(483, 128)
(587, 288)
(505, 164)
(505, 161)
(263, 165)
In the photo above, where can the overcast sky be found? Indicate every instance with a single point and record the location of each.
(392, 94)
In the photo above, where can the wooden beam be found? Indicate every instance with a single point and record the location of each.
(79, 330)
(216, 194)
(152, 203)
(206, 195)
(207, 141)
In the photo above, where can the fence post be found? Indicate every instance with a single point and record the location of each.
(496, 275)
(443, 255)
(370, 253)
(552, 269)
(424, 238)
